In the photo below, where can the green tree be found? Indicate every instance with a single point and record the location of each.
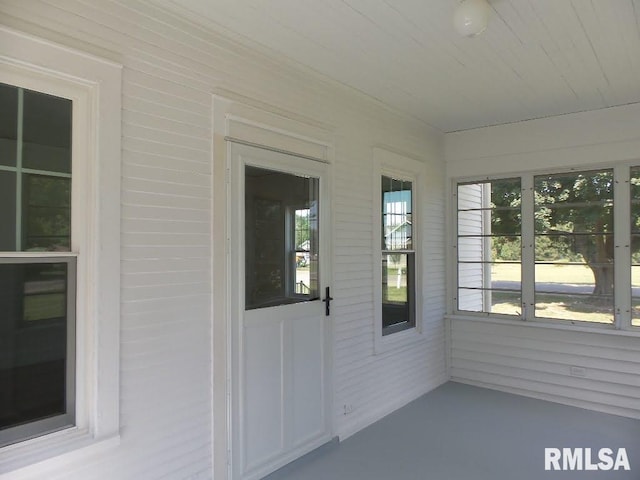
(576, 212)
(573, 220)
(506, 219)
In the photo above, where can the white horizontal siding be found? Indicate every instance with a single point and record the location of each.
(536, 361)
(171, 68)
(576, 140)
(374, 385)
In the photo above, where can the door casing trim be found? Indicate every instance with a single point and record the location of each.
(250, 123)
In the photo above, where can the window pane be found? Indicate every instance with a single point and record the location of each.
(396, 214)
(492, 248)
(635, 321)
(583, 308)
(8, 124)
(46, 210)
(579, 248)
(7, 211)
(496, 276)
(580, 188)
(635, 280)
(569, 292)
(635, 292)
(635, 246)
(574, 270)
(489, 246)
(490, 287)
(398, 285)
(33, 343)
(505, 303)
(495, 301)
(635, 214)
(35, 210)
(304, 235)
(577, 217)
(46, 132)
(281, 238)
(506, 221)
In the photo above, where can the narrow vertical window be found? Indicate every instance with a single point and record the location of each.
(37, 268)
(489, 246)
(398, 256)
(574, 247)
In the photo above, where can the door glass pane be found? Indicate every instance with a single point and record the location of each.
(281, 238)
(46, 132)
(8, 124)
(33, 342)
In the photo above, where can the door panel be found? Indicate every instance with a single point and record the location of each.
(280, 334)
(263, 400)
(307, 364)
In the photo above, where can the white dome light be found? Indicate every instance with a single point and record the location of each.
(471, 17)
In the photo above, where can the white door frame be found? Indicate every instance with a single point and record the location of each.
(237, 120)
(240, 157)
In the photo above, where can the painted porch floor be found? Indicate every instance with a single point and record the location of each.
(460, 432)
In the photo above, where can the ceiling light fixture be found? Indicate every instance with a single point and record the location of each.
(471, 17)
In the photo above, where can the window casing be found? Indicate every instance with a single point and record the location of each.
(398, 193)
(89, 255)
(578, 265)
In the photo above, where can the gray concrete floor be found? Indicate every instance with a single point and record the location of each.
(460, 432)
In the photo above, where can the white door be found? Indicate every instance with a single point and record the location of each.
(280, 325)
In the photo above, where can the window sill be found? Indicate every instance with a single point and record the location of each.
(397, 341)
(549, 324)
(37, 458)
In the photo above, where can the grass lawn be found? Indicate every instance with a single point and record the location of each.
(570, 274)
(45, 306)
(564, 307)
(396, 294)
(393, 293)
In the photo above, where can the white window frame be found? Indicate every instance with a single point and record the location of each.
(94, 86)
(622, 260)
(485, 248)
(391, 164)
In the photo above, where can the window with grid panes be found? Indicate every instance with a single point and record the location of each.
(37, 268)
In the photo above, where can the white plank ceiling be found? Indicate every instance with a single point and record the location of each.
(538, 58)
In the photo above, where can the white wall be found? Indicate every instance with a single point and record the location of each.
(171, 68)
(579, 139)
(534, 359)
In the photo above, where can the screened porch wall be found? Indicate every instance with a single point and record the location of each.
(537, 360)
